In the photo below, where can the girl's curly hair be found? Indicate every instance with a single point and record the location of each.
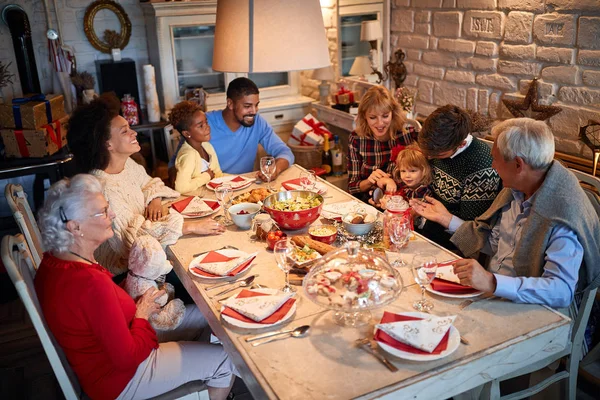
(89, 130)
(181, 115)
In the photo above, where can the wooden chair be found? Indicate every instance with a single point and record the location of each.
(21, 268)
(17, 201)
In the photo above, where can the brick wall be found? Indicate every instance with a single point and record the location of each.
(71, 17)
(473, 53)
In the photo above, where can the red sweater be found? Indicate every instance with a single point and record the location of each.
(94, 322)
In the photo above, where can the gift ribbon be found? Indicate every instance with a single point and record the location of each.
(344, 91)
(21, 143)
(55, 135)
(18, 102)
(301, 140)
(317, 127)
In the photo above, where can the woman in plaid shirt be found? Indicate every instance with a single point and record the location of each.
(378, 130)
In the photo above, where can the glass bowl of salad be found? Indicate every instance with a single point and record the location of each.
(294, 209)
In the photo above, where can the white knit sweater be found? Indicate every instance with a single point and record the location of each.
(128, 193)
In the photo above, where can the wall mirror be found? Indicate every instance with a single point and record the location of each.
(104, 15)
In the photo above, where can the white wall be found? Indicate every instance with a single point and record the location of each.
(71, 18)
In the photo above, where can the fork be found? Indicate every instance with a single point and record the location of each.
(224, 247)
(367, 345)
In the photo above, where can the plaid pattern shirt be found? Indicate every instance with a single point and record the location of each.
(417, 193)
(366, 154)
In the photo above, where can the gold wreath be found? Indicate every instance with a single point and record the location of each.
(88, 24)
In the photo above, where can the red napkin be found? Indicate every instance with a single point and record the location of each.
(271, 319)
(212, 204)
(383, 337)
(444, 286)
(180, 205)
(297, 181)
(216, 185)
(237, 179)
(213, 256)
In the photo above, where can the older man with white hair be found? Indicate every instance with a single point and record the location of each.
(540, 229)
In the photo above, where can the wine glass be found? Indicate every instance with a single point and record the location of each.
(399, 230)
(308, 180)
(268, 168)
(423, 269)
(224, 194)
(283, 251)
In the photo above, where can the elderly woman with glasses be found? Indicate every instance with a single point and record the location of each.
(107, 338)
(102, 142)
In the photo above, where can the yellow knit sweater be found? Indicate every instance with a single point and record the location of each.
(189, 167)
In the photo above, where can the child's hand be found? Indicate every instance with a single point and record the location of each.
(211, 173)
(383, 201)
(387, 184)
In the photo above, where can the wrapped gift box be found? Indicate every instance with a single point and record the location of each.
(45, 141)
(345, 96)
(309, 132)
(32, 112)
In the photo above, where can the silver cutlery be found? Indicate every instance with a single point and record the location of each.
(299, 329)
(296, 333)
(222, 248)
(228, 283)
(243, 283)
(368, 345)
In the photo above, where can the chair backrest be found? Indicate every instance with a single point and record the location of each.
(17, 201)
(19, 265)
(172, 138)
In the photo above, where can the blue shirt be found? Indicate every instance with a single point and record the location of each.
(237, 150)
(564, 255)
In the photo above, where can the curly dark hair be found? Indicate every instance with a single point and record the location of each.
(181, 115)
(240, 87)
(444, 129)
(89, 130)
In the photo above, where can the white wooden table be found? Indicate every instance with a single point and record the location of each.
(503, 336)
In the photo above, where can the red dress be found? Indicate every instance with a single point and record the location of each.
(94, 322)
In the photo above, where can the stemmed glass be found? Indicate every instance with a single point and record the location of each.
(423, 269)
(283, 251)
(224, 194)
(268, 168)
(399, 230)
(308, 180)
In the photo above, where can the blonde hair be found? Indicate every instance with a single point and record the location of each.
(413, 157)
(379, 100)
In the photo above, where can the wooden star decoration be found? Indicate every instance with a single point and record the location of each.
(529, 106)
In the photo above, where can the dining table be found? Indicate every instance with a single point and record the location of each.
(502, 336)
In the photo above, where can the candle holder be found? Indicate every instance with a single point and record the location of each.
(590, 136)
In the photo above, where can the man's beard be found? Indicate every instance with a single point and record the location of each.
(247, 124)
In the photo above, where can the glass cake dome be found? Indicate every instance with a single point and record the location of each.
(352, 281)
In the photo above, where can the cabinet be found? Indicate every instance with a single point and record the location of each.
(180, 42)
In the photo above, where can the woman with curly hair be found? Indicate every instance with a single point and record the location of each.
(102, 142)
(378, 130)
(196, 162)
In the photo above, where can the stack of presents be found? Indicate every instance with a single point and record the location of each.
(34, 126)
(345, 99)
(309, 132)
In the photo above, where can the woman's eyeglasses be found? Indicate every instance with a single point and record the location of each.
(64, 219)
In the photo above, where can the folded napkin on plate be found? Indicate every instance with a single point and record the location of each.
(195, 205)
(249, 306)
(338, 210)
(235, 182)
(415, 335)
(445, 271)
(216, 264)
(293, 184)
(444, 286)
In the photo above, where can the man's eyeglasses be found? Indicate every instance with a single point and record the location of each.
(64, 219)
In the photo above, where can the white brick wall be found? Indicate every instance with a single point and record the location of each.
(481, 51)
(71, 17)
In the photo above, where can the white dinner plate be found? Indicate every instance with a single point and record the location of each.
(453, 343)
(453, 295)
(202, 214)
(234, 185)
(225, 252)
(255, 325)
(338, 210)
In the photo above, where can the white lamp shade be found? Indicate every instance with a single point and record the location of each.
(370, 30)
(323, 74)
(361, 66)
(269, 36)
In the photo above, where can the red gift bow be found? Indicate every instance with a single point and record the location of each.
(396, 150)
(317, 127)
(343, 91)
(301, 140)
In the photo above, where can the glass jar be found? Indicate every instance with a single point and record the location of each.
(129, 108)
(262, 224)
(395, 206)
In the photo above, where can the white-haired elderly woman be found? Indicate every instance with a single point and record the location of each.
(542, 233)
(106, 337)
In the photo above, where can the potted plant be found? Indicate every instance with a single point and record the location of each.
(5, 78)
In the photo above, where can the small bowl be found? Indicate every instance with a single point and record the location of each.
(359, 229)
(325, 238)
(243, 221)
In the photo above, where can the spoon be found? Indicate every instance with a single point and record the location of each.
(246, 282)
(269, 334)
(297, 333)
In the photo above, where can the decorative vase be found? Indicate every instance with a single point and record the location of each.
(88, 96)
(116, 54)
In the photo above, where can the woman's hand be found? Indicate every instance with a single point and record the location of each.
(154, 210)
(207, 227)
(146, 305)
(376, 176)
(433, 210)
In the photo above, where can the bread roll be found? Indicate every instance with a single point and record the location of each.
(320, 247)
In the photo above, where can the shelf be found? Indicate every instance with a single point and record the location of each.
(199, 74)
(195, 37)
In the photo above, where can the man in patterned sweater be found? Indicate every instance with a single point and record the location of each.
(463, 177)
